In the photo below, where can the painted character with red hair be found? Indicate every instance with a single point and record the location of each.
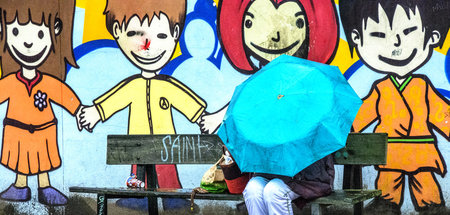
(254, 32)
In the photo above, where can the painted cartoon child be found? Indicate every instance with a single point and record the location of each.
(254, 32)
(396, 38)
(147, 32)
(34, 50)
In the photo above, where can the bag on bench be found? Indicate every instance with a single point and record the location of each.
(213, 180)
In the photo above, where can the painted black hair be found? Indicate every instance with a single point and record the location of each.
(435, 15)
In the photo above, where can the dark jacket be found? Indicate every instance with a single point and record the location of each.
(312, 182)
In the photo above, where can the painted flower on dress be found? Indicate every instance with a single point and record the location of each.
(40, 100)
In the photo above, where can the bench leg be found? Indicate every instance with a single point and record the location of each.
(353, 180)
(317, 209)
(152, 205)
(358, 208)
(102, 203)
(151, 184)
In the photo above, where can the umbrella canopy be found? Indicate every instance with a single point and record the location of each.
(288, 115)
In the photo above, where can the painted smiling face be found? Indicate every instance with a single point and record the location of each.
(148, 46)
(400, 48)
(270, 30)
(29, 43)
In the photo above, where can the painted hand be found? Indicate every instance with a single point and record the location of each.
(89, 117)
(77, 117)
(209, 123)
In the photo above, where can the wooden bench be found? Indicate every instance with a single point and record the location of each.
(148, 150)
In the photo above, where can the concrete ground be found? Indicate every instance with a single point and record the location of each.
(87, 206)
(78, 205)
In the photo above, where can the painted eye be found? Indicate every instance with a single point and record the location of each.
(300, 23)
(409, 30)
(41, 34)
(378, 34)
(162, 36)
(248, 23)
(15, 31)
(131, 33)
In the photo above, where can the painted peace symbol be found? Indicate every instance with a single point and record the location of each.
(164, 103)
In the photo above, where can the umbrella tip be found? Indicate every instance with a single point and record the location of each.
(280, 96)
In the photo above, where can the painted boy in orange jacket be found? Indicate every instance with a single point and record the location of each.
(397, 38)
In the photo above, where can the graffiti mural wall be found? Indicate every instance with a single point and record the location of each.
(74, 72)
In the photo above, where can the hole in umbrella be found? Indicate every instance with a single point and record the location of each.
(280, 96)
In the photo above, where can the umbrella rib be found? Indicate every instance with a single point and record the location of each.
(280, 89)
(257, 103)
(290, 94)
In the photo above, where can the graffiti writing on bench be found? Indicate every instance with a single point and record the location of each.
(101, 205)
(186, 148)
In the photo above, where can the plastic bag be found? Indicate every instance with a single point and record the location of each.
(213, 180)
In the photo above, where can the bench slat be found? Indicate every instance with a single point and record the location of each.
(160, 192)
(338, 197)
(163, 149)
(361, 149)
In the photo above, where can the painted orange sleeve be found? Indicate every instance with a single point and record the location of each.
(63, 95)
(5, 88)
(439, 111)
(367, 112)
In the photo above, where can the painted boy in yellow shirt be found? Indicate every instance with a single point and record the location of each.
(147, 32)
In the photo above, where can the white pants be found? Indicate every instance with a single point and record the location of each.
(264, 196)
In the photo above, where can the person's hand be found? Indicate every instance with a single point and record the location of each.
(89, 117)
(209, 123)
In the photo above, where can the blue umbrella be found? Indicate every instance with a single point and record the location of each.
(288, 115)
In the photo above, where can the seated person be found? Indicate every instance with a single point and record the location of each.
(273, 194)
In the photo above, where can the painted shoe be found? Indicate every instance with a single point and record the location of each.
(382, 206)
(432, 209)
(16, 194)
(51, 196)
(140, 204)
(176, 204)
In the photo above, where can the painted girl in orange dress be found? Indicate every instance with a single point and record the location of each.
(36, 44)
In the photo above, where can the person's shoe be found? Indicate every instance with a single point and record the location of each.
(16, 194)
(51, 196)
(241, 207)
(381, 206)
(140, 204)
